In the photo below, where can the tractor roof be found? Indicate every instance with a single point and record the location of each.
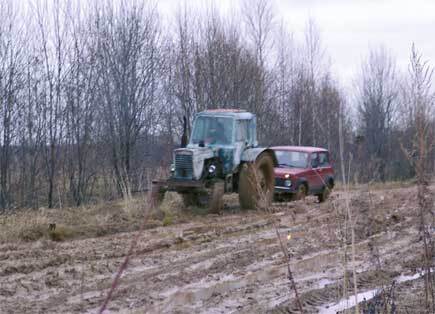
(233, 113)
(305, 149)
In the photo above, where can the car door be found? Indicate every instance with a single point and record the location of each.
(325, 169)
(315, 173)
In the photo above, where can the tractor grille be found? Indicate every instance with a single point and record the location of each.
(183, 166)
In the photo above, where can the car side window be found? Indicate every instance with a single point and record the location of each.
(314, 160)
(323, 159)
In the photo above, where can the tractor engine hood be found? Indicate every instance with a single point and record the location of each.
(189, 162)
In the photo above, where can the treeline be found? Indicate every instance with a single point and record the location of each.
(92, 95)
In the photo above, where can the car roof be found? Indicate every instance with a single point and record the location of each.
(222, 110)
(305, 149)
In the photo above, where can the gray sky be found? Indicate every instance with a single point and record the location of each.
(349, 28)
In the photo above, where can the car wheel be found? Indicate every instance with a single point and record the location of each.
(302, 192)
(325, 193)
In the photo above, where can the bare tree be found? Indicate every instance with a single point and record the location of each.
(52, 38)
(377, 99)
(314, 58)
(183, 63)
(259, 24)
(11, 81)
(284, 81)
(129, 63)
(80, 107)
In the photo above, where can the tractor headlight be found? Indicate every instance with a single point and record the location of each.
(287, 176)
(288, 183)
(172, 169)
(212, 169)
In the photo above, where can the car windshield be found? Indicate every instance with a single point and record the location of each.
(212, 130)
(291, 159)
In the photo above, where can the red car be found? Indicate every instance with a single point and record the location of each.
(302, 171)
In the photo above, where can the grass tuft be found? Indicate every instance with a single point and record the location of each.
(61, 233)
(168, 219)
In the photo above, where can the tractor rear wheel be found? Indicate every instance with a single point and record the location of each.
(256, 183)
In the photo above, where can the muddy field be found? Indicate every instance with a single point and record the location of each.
(229, 263)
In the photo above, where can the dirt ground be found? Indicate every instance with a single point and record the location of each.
(229, 263)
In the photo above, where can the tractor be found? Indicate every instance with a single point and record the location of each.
(221, 156)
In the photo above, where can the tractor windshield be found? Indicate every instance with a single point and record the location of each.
(292, 159)
(212, 130)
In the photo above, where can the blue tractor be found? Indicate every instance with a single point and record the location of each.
(221, 156)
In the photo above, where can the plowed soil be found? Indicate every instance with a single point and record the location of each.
(228, 263)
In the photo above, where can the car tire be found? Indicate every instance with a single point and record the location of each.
(302, 191)
(325, 193)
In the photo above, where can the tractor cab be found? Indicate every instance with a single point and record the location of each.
(223, 128)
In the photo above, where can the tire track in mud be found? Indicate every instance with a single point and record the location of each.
(230, 263)
(28, 262)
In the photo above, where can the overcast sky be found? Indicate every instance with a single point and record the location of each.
(350, 27)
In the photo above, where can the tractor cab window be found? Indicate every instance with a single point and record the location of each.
(212, 131)
(242, 131)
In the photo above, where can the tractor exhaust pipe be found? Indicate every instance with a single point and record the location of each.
(184, 136)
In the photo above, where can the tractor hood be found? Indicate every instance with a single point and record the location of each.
(189, 162)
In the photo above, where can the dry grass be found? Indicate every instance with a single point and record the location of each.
(89, 221)
(109, 218)
(375, 185)
(75, 222)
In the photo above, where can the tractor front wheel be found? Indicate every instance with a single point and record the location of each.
(215, 197)
(212, 198)
(190, 199)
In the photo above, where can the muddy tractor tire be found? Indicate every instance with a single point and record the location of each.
(190, 199)
(215, 201)
(212, 199)
(257, 183)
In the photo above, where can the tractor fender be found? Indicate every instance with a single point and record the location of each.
(251, 154)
